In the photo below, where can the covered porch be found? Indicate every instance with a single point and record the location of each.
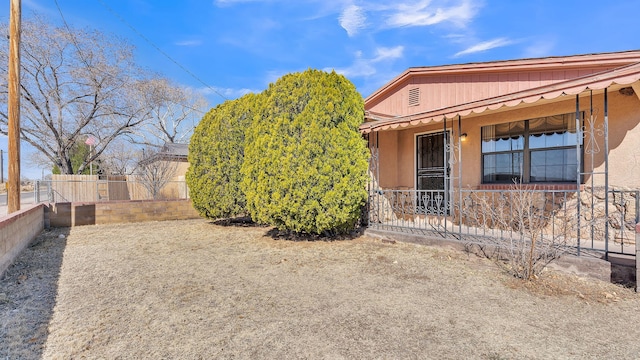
(558, 162)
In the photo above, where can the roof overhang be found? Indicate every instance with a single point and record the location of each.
(625, 75)
(613, 59)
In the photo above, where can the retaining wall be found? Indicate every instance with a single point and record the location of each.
(110, 212)
(17, 230)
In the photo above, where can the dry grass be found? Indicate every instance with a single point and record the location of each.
(192, 289)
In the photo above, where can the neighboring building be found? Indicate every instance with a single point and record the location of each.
(165, 171)
(177, 153)
(557, 123)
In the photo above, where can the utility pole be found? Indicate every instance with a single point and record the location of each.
(1, 166)
(13, 108)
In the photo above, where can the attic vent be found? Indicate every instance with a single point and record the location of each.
(414, 96)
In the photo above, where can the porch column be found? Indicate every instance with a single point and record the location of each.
(606, 177)
(578, 169)
(459, 177)
(637, 257)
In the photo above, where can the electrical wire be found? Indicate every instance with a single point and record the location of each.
(75, 43)
(119, 17)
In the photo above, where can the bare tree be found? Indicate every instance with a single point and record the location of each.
(121, 158)
(174, 112)
(155, 171)
(76, 83)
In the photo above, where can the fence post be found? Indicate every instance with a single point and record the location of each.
(637, 257)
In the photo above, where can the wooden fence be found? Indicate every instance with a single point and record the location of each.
(93, 188)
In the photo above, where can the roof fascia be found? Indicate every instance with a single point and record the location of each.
(554, 62)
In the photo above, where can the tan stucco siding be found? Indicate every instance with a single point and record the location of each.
(397, 147)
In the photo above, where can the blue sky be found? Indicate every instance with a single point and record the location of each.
(231, 47)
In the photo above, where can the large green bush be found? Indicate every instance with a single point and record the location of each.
(305, 166)
(216, 152)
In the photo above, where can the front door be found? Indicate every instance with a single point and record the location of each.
(432, 172)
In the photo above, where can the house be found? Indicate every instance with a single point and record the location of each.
(177, 154)
(163, 172)
(566, 126)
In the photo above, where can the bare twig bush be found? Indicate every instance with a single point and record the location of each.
(530, 228)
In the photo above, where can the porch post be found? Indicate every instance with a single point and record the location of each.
(578, 169)
(606, 176)
(446, 176)
(637, 256)
(460, 177)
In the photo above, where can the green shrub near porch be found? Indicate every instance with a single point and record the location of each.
(305, 165)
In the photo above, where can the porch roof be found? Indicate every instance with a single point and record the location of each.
(623, 75)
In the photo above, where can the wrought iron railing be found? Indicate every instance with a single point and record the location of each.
(481, 216)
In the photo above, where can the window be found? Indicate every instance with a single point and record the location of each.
(535, 150)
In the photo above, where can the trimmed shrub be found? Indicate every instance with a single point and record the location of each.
(305, 166)
(216, 153)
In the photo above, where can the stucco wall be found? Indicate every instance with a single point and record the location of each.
(397, 151)
(17, 230)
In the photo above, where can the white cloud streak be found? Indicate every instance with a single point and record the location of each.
(189, 43)
(222, 3)
(539, 49)
(424, 13)
(229, 93)
(484, 46)
(352, 19)
(366, 67)
(383, 53)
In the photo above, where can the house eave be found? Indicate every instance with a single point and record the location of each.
(615, 59)
(625, 75)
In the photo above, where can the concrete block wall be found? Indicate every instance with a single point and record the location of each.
(17, 230)
(111, 212)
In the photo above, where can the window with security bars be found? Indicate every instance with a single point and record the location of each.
(414, 96)
(530, 151)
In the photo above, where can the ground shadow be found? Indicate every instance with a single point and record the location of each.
(240, 221)
(326, 236)
(623, 271)
(28, 291)
(246, 221)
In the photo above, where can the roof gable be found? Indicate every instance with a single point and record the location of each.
(421, 89)
(622, 76)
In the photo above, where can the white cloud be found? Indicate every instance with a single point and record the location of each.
(539, 49)
(35, 6)
(484, 46)
(366, 67)
(232, 2)
(352, 19)
(424, 13)
(383, 53)
(229, 93)
(189, 43)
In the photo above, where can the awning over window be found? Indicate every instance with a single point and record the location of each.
(623, 76)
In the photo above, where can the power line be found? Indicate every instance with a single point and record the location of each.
(73, 38)
(159, 50)
(75, 43)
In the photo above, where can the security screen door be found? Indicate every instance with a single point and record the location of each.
(431, 161)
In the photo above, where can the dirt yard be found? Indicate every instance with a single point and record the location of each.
(192, 290)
